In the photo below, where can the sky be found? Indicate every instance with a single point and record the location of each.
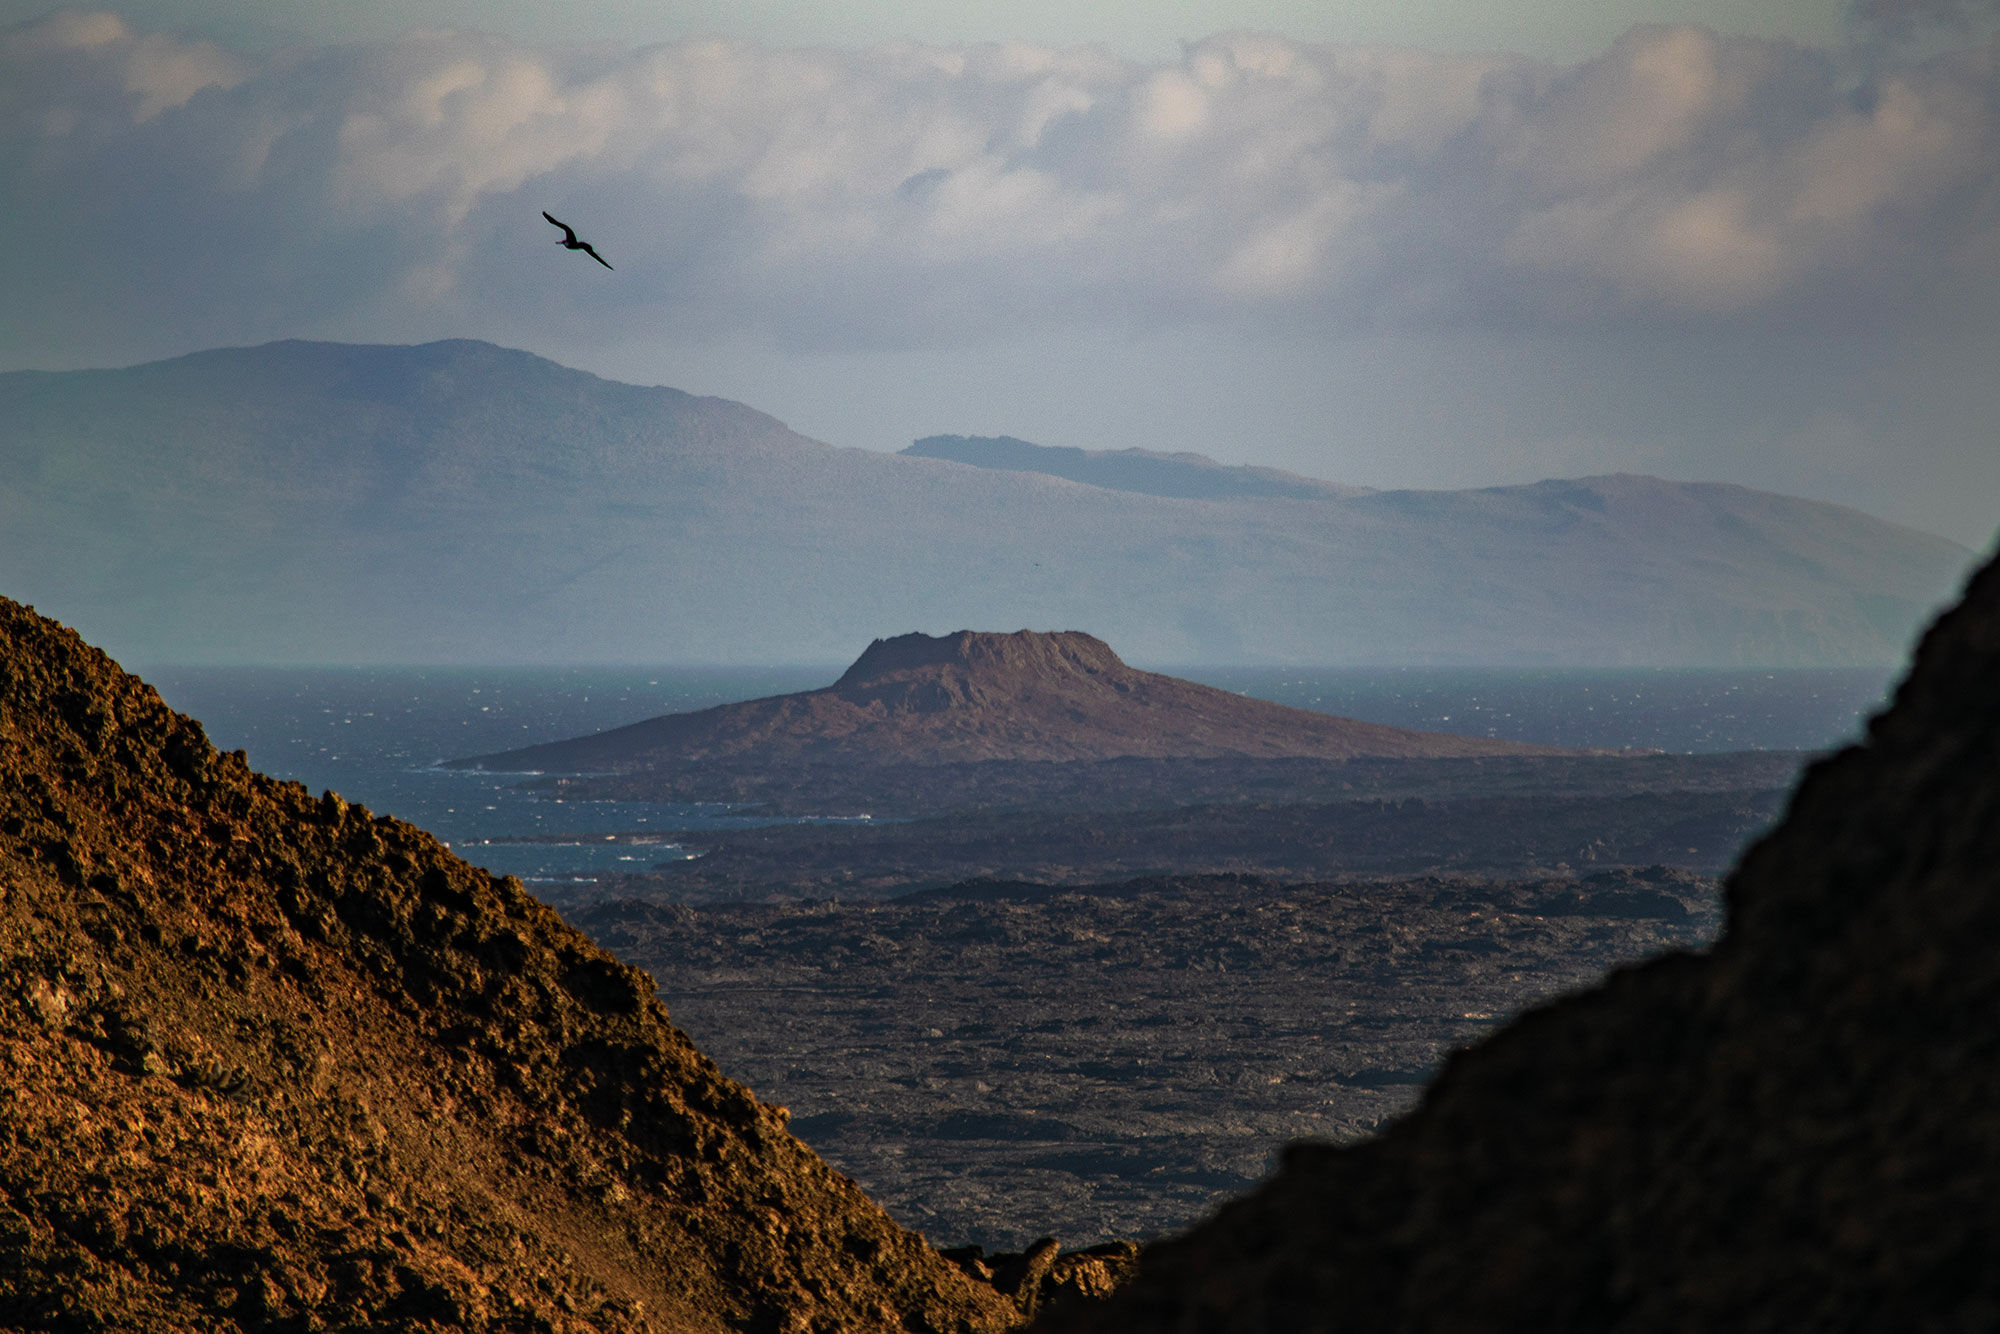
(1445, 245)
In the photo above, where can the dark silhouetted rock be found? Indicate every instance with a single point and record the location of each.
(1797, 1130)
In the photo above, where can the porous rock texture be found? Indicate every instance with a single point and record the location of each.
(270, 1063)
(973, 696)
(1797, 1130)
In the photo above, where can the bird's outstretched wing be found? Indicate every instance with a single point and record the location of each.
(569, 233)
(594, 255)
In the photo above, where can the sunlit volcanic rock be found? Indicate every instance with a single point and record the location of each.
(268, 1062)
(920, 699)
(1798, 1130)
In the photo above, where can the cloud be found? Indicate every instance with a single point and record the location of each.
(910, 195)
(1900, 20)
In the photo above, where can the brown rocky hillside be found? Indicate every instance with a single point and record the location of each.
(268, 1062)
(1026, 696)
(1799, 1130)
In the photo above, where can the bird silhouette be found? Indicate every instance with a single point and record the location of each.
(569, 241)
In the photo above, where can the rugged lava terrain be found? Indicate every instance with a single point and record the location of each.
(1522, 834)
(992, 1061)
(1797, 1130)
(1132, 785)
(270, 1063)
(1022, 697)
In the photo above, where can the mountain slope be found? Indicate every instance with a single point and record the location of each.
(270, 1063)
(1026, 696)
(313, 503)
(1187, 476)
(1794, 1131)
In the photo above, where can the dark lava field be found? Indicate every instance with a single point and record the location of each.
(1504, 817)
(996, 1062)
(1091, 998)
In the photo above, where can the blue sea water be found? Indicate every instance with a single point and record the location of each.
(1686, 712)
(376, 735)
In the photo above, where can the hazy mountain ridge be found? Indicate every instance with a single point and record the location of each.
(311, 502)
(978, 696)
(1149, 472)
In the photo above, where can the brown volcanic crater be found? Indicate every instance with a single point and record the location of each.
(969, 696)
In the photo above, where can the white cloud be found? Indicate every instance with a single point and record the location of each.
(73, 72)
(910, 193)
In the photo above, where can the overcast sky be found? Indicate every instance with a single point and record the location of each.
(1456, 244)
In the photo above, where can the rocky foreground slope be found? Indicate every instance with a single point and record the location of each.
(270, 1063)
(1025, 697)
(1800, 1130)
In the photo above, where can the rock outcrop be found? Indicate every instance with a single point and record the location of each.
(1797, 1130)
(1024, 697)
(268, 1062)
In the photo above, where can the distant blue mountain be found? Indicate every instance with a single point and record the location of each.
(1142, 471)
(459, 502)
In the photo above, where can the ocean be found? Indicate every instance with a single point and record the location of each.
(376, 735)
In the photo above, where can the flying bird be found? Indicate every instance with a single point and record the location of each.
(569, 241)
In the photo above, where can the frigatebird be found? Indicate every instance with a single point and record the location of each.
(569, 241)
